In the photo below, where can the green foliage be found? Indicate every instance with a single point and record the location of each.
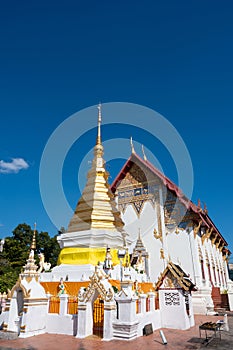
(16, 251)
(7, 281)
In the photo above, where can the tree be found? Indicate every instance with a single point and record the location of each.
(16, 251)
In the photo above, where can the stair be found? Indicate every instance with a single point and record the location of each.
(220, 301)
(216, 297)
(225, 302)
(7, 335)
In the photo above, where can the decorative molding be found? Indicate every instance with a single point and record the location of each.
(172, 299)
(218, 244)
(197, 228)
(96, 284)
(19, 285)
(157, 235)
(213, 240)
(162, 256)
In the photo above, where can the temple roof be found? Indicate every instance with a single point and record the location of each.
(177, 272)
(201, 213)
(96, 209)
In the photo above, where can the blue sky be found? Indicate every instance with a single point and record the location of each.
(59, 57)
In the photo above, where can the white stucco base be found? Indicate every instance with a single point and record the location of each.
(202, 302)
(58, 324)
(153, 317)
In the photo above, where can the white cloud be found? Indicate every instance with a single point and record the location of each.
(13, 167)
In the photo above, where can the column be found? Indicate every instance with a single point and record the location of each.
(63, 304)
(151, 296)
(109, 312)
(126, 326)
(85, 320)
(48, 295)
(142, 303)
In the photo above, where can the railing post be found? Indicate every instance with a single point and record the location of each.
(63, 304)
(151, 297)
(85, 319)
(142, 303)
(48, 295)
(109, 311)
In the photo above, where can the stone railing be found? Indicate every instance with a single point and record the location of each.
(63, 304)
(145, 303)
(3, 298)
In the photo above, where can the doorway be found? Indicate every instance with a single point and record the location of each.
(98, 317)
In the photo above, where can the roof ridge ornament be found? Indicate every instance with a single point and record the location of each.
(132, 146)
(144, 154)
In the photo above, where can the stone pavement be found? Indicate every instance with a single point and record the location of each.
(176, 340)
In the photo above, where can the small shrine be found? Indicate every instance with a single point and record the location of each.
(139, 258)
(26, 300)
(175, 300)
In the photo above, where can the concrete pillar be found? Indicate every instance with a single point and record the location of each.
(109, 313)
(3, 301)
(230, 295)
(142, 303)
(13, 319)
(125, 327)
(195, 272)
(151, 296)
(85, 320)
(48, 295)
(63, 304)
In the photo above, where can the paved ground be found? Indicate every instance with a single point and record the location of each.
(176, 340)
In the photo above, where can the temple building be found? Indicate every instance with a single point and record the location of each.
(135, 253)
(173, 229)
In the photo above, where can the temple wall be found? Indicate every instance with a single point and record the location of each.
(147, 222)
(61, 324)
(181, 251)
(153, 317)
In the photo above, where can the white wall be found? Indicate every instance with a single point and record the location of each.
(147, 222)
(180, 251)
(58, 324)
(153, 317)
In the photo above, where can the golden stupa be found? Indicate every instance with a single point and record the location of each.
(96, 216)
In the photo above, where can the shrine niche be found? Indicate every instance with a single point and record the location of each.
(99, 283)
(175, 300)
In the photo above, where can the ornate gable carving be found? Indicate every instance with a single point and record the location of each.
(96, 284)
(17, 286)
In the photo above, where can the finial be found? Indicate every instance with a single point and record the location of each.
(205, 209)
(144, 154)
(132, 146)
(98, 140)
(139, 233)
(33, 245)
(199, 203)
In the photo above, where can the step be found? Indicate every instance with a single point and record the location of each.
(7, 335)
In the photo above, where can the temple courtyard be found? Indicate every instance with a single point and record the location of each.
(176, 340)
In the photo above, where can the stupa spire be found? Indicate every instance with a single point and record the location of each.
(98, 139)
(30, 269)
(96, 208)
(33, 244)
